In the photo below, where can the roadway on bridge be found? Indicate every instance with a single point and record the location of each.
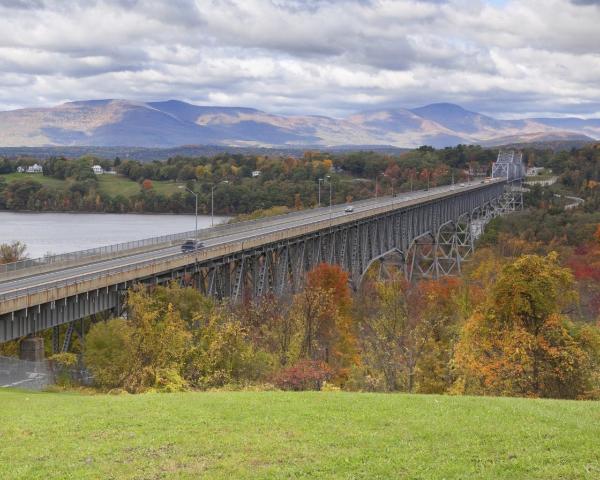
(231, 233)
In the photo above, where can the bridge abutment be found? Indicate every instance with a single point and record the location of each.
(32, 349)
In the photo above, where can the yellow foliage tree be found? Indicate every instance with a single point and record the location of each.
(518, 342)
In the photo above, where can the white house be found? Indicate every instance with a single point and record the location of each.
(20, 169)
(256, 173)
(533, 171)
(35, 168)
(97, 169)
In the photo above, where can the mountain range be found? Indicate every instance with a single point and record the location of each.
(174, 123)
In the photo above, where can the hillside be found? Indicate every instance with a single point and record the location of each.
(109, 123)
(295, 435)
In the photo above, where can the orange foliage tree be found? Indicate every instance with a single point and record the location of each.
(334, 332)
(519, 343)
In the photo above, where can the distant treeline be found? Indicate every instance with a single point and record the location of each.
(282, 181)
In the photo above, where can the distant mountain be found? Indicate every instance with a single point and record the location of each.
(541, 139)
(168, 124)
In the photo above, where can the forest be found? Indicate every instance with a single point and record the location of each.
(284, 181)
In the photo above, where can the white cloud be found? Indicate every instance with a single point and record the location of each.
(317, 56)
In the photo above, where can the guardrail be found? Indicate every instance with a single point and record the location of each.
(93, 252)
(206, 251)
(113, 250)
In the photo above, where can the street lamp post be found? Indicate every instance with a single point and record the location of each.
(328, 177)
(320, 180)
(196, 209)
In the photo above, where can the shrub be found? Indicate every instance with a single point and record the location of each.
(222, 354)
(108, 354)
(304, 375)
(62, 365)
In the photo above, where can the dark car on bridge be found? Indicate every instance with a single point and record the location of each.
(191, 245)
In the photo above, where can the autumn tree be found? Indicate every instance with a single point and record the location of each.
(147, 184)
(270, 326)
(155, 341)
(12, 252)
(519, 342)
(408, 332)
(337, 332)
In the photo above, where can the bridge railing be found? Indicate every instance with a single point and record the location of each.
(141, 265)
(146, 243)
(94, 252)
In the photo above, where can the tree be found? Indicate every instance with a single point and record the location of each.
(12, 252)
(147, 184)
(144, 352)
(108, 353)
(519, 342)
(331, 278)
(336, 332)
(408, 332)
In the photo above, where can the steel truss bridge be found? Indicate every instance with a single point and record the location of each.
(431, 231)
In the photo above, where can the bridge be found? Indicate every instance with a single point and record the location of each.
(432, 232)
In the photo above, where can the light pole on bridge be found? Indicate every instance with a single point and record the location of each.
(319, 203)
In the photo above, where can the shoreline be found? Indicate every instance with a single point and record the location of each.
(73, 212)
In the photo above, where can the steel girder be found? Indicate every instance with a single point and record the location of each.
(433, 238)
(279, 268)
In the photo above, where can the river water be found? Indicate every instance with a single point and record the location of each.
(68, 232)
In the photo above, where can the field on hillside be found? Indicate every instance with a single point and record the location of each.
(225, 435)
(38, 177)
(110, 184)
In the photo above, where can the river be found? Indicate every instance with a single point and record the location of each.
(68, 232)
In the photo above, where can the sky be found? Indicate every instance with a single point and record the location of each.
(507, 58)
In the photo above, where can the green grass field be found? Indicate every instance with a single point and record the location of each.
(38, 177)
(118, 185)
(225, 435)
(113, 185)
(166, 187)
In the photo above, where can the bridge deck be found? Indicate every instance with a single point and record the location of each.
(46, 287)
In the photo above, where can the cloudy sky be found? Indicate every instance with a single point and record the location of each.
(506, 58)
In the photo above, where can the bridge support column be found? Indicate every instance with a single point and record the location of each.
(442, 254)
(56, 339)
(32, 349)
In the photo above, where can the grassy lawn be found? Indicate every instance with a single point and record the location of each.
(166, 187)
(118, 185)
(38, 177)
(295, 435)
(114, 185)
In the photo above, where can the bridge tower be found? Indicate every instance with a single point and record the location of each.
(441, 251)
(509, 166)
